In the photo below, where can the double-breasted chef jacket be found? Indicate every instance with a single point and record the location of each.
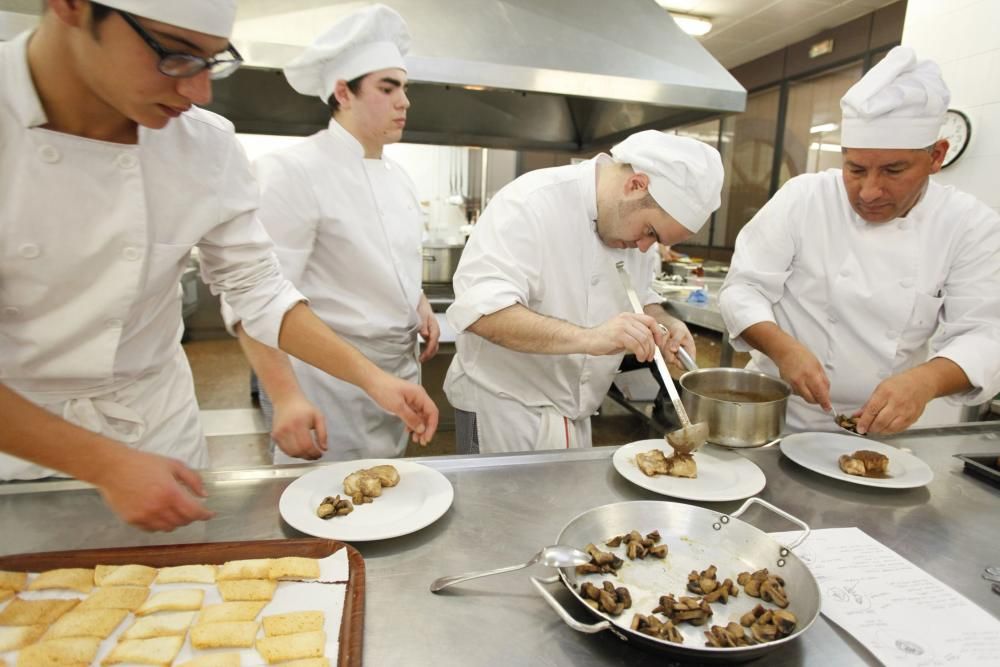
(869, 300)
(347, 232)
(94, 237)
(536, 245)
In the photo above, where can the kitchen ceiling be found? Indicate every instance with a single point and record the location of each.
(743, 30)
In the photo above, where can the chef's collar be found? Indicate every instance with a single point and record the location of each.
(23, 98)
(340, 133)
(588, 183)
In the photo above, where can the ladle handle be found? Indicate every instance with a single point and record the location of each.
(661, 365)
(444, 582)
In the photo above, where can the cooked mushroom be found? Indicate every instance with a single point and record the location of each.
(693, 610)
(652, 626)
(637, 546)
(762, 584)
(786, 622)
(607, 598)
(334, 506)
(727, 637)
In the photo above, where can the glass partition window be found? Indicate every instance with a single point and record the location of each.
(812, 124)
(747, 156)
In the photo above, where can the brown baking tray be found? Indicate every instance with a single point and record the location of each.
(216, 553)
(983, 466)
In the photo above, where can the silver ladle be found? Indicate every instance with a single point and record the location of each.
(558, 555)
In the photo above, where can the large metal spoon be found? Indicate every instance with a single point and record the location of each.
(689, 437)
(558, 555)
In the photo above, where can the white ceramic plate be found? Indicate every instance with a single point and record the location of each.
(421, 497)
(722, 474)
(819, 452)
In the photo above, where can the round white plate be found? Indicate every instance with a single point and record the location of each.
(819, 452)
(421, 497)
(722, 474)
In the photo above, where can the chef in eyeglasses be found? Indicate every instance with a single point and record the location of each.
(873, 289)
(109, 175)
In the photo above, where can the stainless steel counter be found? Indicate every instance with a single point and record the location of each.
(506, 507)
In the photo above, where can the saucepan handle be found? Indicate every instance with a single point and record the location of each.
(589, 628)
(780, 512)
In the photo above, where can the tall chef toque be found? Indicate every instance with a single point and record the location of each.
(212, 17)
(899, 103)
(366, 41)
(685, 175)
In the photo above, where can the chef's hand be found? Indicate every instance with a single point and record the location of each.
(409, 402)
(801, 369)
(153, 492)
(430, 330)
(895, 404)
(628, 332)
(677, 336)
(299, 428)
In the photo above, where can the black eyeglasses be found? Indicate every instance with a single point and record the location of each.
(184, 65)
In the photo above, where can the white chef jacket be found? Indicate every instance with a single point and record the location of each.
(347, 232)
(94, 237)
(536, 245)
(869, 300)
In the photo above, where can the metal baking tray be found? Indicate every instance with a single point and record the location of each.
(983, 466)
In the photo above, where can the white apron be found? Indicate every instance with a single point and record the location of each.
(156, 412)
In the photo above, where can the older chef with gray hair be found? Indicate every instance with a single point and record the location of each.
(346, 224)
(109, 176)
(543, 319)
(872, 288)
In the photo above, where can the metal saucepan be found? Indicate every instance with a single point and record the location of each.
(743, 408)
(695, 538)
(440, 261)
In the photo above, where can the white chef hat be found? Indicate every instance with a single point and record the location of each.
(212, 17)
(685, 175)
(899, 103)
(366, 41)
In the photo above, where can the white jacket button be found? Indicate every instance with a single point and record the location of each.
(126, 161)
(10, 312)
(48, 154)
(832, 319)
(131, 254)
(29, 251)
(595, 280)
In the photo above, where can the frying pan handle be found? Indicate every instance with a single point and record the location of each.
(589, 628)
(780, 512)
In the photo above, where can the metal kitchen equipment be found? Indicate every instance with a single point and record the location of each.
(742, 408)
(690, 436)
(695, 538)
(440, 261)
(501, 74)
(557, 555)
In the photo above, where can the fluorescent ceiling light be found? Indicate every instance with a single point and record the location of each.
(692, 25)
(825, 127)
(826, 148)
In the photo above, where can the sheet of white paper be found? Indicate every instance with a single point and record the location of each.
(327, 597)
(904, 616)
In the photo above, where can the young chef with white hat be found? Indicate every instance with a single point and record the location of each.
(840, 282)
(108, 177)
(346, 224)
(543, 319)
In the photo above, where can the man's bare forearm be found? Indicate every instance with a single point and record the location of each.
(35, 434)
(942, 375)
(304, 336)
(769, 338)
(522, 330)
(271, 365)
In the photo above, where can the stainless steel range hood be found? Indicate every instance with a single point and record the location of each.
(527, 74)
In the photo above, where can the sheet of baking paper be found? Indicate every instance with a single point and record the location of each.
(289, 596)
(904, 616)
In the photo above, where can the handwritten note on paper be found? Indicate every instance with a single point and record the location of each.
(900, 613)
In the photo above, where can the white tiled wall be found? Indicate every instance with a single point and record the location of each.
(962, 36)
